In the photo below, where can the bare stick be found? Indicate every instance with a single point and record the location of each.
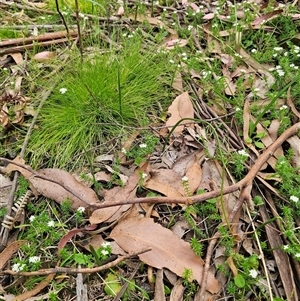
(75, 270)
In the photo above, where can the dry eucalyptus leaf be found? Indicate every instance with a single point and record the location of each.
(167, 250)
(59, 185)
(116, 194)
(181, 107)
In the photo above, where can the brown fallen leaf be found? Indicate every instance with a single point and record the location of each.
(159, 286)
(177, 291)
(167, 250)
(63, 241)
(265, 17)
(44, 56)
(116, 194)
(181, 107)
(165, 181)
(39, 287)
(6, 254)
(59, 185)
(55, 184)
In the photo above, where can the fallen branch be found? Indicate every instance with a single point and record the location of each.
(75, 270)
(245, 195)
(245, 185)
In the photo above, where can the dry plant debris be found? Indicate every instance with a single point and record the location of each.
(201, 202)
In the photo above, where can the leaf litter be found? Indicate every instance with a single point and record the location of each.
(191, 154)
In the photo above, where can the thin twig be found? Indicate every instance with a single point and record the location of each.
(62, 17)
(78, 29)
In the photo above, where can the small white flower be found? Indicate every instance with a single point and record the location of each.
(286, 54)
(81, 15)
(254, 50)
(81, 209)
(292, 65)
(285, 247)
(171, 61)
(143, 145)
(275, 55)
(34, 259)
(105, 244)
(280, 72)
(32, 218)
(144, 175)
(243, 71)
(283, 107)
(63, 90)
(190, 27)
(297, 255)
(242, 152)
(184, 179)
(278, 48)
(296, 67)
(124, 151)
(51, 224)
(104, 252)
(237, 109)
(256, 89)
(253, 273)
(17, 267)
(294, 198)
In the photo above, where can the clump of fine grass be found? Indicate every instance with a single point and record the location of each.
(95, 100)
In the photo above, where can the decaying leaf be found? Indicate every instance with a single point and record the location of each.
(6, 254)
(56, 184)
(167, 250)
(116, 194)
(44, 56)
(59, 185)
(181, 107)
(39, 287)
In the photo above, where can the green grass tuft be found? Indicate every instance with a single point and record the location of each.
(104, 93)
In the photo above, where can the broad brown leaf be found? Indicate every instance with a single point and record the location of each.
(167, 250)
(181, 107)
(57, 184)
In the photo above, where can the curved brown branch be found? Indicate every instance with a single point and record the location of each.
(245, 195)
(75, 270)
(244, 185)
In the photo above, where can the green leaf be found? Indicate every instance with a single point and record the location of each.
(81, 258)
(113, 285)
(248, 141)
(260, 145)
(261, 135)
(239, 281)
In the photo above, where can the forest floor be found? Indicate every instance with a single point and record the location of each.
(149, 150)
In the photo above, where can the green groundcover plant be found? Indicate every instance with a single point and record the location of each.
(100, 99)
